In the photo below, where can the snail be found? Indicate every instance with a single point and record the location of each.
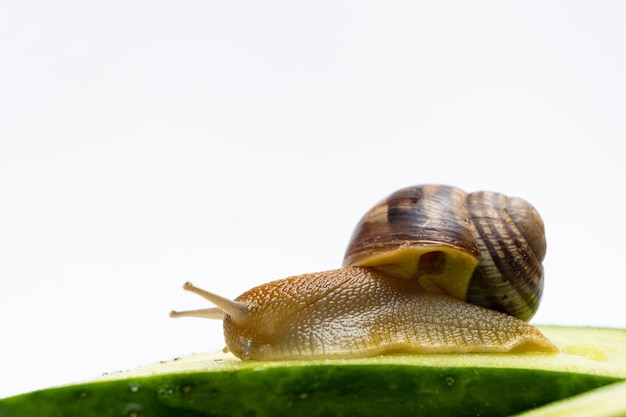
(430, 269)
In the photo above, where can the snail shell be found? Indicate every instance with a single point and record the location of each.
(413, 281)
(484, 247)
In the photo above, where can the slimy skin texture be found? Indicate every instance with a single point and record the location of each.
(359, 312)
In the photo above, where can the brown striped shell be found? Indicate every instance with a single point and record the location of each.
(483, 247)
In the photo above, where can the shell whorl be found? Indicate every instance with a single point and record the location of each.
(483, 247)
(511, 239)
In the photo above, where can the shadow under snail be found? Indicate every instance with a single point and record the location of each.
(430, 269)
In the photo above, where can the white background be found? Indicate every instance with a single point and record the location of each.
(143, 144)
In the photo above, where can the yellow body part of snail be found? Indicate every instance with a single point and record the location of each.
(429, 269)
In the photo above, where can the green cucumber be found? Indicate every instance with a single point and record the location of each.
(427, 384)
(608, 401)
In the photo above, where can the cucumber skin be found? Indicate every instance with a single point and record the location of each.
(317, 390)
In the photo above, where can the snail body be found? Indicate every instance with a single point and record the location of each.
(411, 283)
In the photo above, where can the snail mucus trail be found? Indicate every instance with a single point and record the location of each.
(430, 269)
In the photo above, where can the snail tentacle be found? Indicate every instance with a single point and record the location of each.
(237, 310)
(205, 313)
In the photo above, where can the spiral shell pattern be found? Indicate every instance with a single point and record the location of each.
(484, 247)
